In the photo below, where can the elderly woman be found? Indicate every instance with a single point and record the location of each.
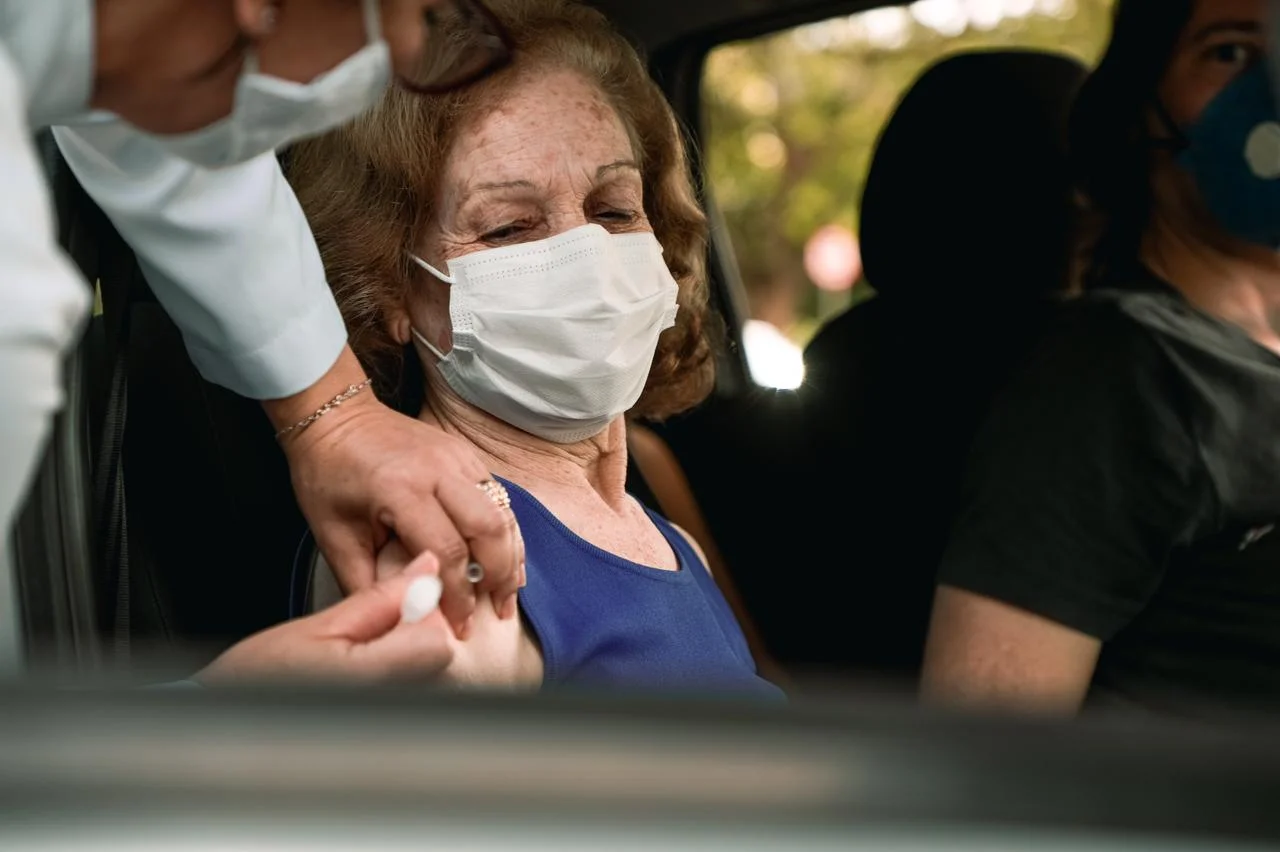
(1120, 538)
(523, 263)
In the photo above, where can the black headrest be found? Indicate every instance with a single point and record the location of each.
(969, 194)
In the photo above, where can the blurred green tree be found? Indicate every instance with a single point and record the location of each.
(792, 119)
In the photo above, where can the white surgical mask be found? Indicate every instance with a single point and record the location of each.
(270, 112)
(556, 337)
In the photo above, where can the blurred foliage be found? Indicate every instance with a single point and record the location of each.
(792, 120)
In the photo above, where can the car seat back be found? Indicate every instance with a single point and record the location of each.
(966, 227)
(189, 521)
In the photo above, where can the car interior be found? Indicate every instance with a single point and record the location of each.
(162, 528)
(163, 524)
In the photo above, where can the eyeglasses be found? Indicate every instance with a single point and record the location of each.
(463, 43)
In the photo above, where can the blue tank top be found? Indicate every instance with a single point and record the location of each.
(603, 621)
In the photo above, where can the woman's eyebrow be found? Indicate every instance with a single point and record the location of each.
(1252, 28)
(615, 166)
(506, 184)
(491, 186)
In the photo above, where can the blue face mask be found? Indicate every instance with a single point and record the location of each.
(1233, 153)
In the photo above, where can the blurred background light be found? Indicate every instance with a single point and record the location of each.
(832, 260)
(775, 361)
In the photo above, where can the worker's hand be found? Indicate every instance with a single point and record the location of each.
(392, 630)
(364, 473)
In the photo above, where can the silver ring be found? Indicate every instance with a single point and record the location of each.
(475, 572)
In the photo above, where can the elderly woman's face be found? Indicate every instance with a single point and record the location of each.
(552, 156)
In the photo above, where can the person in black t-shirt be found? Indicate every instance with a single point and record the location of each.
(1120, 534)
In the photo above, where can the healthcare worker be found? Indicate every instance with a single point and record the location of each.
(171, 111)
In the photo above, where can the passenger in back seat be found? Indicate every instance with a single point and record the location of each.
(1119, 539)
(523, 265)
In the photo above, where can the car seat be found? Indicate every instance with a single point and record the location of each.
(55, 578)
(965, 234)
(169, 495)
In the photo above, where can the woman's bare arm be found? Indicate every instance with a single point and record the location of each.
(984, 654)
(494, 654)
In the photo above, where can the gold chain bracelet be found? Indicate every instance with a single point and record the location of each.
(324, 409)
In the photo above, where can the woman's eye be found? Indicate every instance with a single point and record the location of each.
(1233, 54)
(503, 234)
(622, 217)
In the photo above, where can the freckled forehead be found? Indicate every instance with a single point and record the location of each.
(554, 120)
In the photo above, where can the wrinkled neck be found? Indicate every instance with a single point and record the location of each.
(599, 462)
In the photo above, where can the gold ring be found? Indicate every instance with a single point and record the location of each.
(495, 491)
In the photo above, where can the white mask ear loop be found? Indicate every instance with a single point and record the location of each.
(270, 16)
(436, 272)
(373, 21)
(422, 338)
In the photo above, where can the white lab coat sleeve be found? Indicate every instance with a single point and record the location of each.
(43, 302)
(228, 253)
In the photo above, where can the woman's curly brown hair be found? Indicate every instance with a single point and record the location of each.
(370, 189)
